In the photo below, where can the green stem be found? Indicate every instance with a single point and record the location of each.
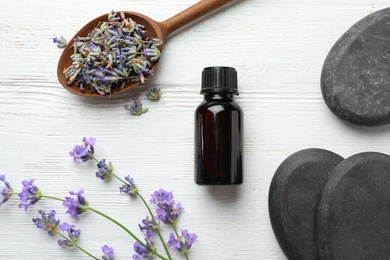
(119, 179)
(79, 247)
(53, 198)
(124, 228)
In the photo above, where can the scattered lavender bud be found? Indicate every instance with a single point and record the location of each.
(153, 94)
(61, 41)
(136, 109)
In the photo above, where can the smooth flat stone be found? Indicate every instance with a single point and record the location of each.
(355, 78)
(353, 214)
(293, 195)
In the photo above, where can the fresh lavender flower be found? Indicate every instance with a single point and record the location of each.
(47, 222)
(148, 225)
(73, 235)
(183, 243)
(90, 141)
(84, 152)
(153, 94)
(141, 252)
(7, 190)
(129, 188)
(61, 41)
(136, 109)
(108, 253)
(169, 213)
(105, 170)
(167, 210)
(76, 206)
(79, 152)
(145, 252)
(161, 197)
(30, 194)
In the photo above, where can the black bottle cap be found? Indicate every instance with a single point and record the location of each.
(219, 80)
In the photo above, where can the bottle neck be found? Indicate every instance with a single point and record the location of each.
(219, 96)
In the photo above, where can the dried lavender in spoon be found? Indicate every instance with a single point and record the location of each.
(114, 53)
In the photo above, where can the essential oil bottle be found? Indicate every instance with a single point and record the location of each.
(218, 129)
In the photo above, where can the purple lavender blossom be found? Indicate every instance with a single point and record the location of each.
(30, 194)
(130, 188)
(167, 211)
(75, 206)
(48, 221)
(105, 170)
(108, 253)
(84, 152)
(145, 252)
(141, 251)
(7, 190)
(183, 243)
(90, 141)
(148, 224)
(73, 235)
(161, 197)
(78, 152)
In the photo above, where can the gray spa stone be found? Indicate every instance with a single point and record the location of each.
(353, 214)
(293, 195)
(355, 78)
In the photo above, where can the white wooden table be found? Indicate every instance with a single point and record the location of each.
(278, 48)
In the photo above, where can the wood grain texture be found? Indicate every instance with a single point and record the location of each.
(278, 48)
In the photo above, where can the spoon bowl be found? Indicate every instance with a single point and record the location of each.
(158, 30)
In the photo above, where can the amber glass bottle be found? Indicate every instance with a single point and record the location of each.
(218, 129)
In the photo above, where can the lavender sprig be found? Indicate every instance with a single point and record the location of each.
(48, 222)
(167, 212)
(116, 52)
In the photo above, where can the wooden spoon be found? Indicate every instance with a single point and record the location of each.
(157, 29)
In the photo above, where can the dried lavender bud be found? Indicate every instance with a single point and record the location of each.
(61, 41)
(114, 53)
(153, 94)
(136, 109)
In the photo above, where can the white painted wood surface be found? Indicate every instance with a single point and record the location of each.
(278, 48)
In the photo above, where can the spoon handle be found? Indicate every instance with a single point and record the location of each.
(190, 14)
